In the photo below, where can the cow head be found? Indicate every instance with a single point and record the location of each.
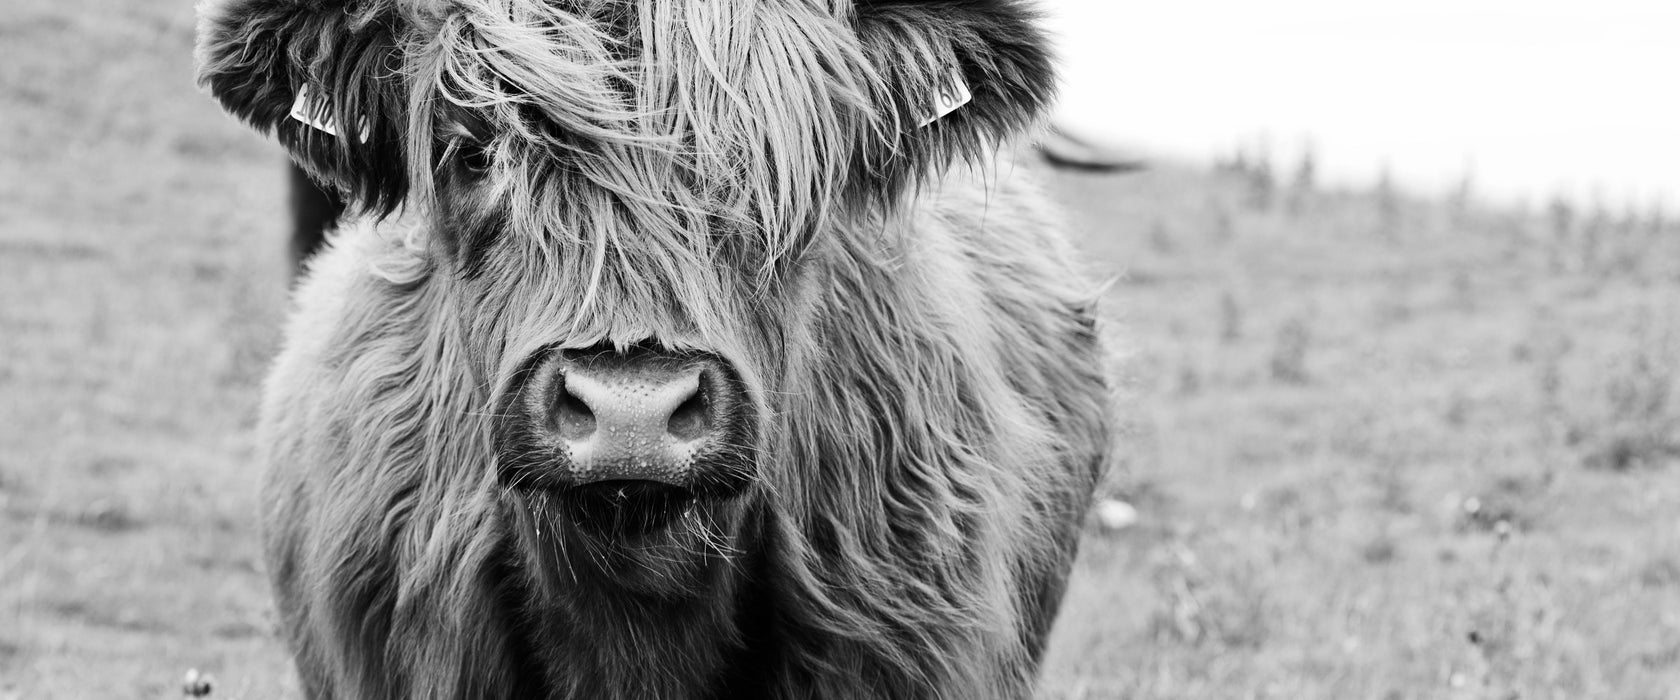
(625, 209)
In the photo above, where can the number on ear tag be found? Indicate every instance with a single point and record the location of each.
(951, 96)
(315, 115)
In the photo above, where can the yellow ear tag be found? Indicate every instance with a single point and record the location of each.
(953, 95)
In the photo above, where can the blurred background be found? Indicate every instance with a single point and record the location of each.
(1523, 100)
(1397, 293)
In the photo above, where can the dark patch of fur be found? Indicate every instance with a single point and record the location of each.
(919, 46)
(255, 55)
(314, 212)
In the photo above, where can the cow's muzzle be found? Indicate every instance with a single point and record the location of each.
(637, 433)
(639, 417)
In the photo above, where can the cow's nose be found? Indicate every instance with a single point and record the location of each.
(643, 418)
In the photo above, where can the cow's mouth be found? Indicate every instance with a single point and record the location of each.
(626, 509)
(644, 537)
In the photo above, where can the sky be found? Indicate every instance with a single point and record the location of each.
(1531, 100)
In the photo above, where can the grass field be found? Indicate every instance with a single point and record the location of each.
(1382, 448)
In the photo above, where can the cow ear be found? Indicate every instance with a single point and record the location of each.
(934, 54)
(322, 76)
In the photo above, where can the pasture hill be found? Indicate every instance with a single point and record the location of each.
(1382, 446)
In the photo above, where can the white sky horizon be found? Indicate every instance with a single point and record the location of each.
(1531, 99)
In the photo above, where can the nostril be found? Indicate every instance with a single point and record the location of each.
(690, 420)
(572, 417)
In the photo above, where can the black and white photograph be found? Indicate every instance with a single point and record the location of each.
(840, 349)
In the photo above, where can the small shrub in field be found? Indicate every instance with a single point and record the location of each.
(1189, 380)
(1463, 291)
(1551, 380)
(1235, 162)
(1388, 205)
(1657, 221)
(1305, 183)
(1289, 352)
(1396, 308)
(1224, 225)
(1562, 217)
(1625, 449)
(1640, 426)
(1458, 410)
(1394, 492)
(1594, 231)
(1262, 184)
(1660, 572)
(1230, 318)
(1461, 197)
(1548, 352)
(1631, 244)
(106, 515)
(1306, 173)
(1381, 549)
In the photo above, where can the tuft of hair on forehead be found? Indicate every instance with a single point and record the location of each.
(697, 122)
(699, 117)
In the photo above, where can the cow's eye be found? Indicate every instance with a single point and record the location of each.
(473, 157)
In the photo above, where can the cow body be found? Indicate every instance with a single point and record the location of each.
(902, 406)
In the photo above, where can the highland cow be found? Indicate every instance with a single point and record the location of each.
(672, 348)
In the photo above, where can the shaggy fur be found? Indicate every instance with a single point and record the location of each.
(743, 178)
